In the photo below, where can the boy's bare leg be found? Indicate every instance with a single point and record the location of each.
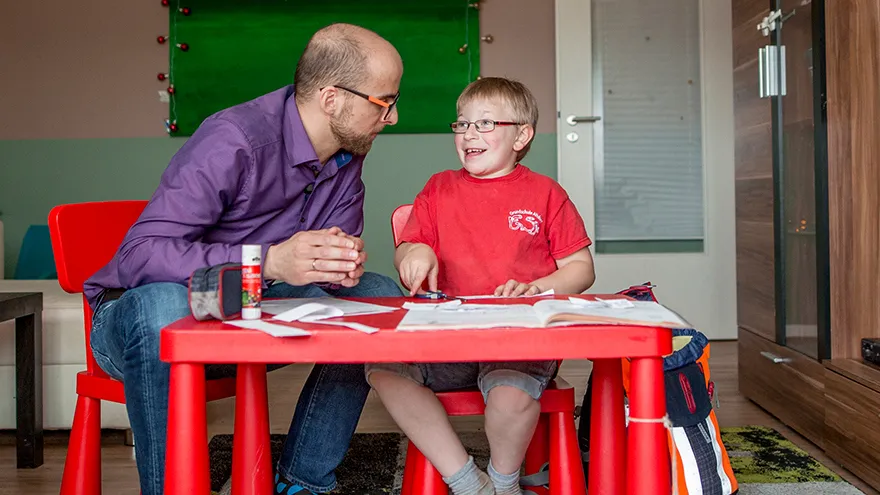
(422, 418)
(511, 418)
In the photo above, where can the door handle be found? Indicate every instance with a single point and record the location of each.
(776, 359)
(573, 120)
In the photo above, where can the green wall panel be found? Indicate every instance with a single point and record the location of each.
(238, 50)
(35, 175)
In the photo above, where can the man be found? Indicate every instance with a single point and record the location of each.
(282, 171)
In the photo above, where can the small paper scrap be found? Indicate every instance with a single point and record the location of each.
(309, 312)
(270, 328)
(432, 306)
(602, 303)
(350, 324)
(549, 292)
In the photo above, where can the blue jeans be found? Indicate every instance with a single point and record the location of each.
(125, 343)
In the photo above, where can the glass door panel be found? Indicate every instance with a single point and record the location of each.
(798, 177)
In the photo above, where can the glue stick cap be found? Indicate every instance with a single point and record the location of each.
(251, 254)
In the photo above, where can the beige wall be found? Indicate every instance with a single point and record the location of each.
(523, 48)
(84, 69)
(87, 69)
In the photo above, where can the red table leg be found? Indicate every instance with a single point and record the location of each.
(607, 430)
(427, 480)
(251, 450)
(186, 457)
(648, 455)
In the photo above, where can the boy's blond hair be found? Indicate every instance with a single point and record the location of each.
(514, 94)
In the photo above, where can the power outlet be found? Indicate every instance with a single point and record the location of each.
(164, 97)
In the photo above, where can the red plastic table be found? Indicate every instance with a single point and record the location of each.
(641, 468)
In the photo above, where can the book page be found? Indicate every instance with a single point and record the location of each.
(640, 313)
(470, 316)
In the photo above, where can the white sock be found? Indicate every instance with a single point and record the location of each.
(470, 481)
(505, 484)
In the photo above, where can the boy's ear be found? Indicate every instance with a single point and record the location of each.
(524, 137)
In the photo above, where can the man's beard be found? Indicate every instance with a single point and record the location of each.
(356, 144)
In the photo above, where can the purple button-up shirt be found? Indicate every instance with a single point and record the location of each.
(248, 175)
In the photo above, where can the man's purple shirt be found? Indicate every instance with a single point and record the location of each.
(242, 178)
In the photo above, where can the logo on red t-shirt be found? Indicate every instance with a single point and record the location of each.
(525, 220)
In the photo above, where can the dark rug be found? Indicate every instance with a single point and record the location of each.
(368, 467)
(761, 459)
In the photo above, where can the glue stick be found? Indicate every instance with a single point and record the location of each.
(251, 281)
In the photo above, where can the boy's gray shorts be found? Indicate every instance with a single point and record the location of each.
(532, 377)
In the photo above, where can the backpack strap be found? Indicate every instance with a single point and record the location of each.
(541, 478)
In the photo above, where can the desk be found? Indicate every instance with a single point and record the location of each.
(189, 344)
(27, 310)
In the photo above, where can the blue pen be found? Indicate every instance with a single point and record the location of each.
(436, 294)
(433, 294)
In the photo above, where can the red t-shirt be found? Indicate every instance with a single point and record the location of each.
(488, 231)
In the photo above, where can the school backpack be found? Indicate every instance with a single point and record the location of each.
(699, 458)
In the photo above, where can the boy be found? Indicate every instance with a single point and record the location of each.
(493, 226)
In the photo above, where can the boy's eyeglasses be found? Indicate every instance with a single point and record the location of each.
(388, 106)
(483, 125)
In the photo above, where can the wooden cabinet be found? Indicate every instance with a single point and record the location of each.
(852, 417)
(786, 383)
(807, 204)
(781, 209)
(753, 154)
(854, 172)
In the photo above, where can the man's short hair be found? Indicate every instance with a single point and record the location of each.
(514, 94)
(334, 56)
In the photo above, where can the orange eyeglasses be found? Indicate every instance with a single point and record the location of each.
(389, 107)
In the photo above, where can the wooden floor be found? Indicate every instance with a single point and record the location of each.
(120, 474)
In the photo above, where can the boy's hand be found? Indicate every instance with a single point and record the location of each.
(420, 263)
(513, 289)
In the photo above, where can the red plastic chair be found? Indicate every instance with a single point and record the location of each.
(555, 438)
(85, 236)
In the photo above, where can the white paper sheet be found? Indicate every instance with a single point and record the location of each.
(270, 328)
(492, 296)
(601, 303)
(348, 308)
(350, 324)
(309, 312)
(431, 306)
(617, 303)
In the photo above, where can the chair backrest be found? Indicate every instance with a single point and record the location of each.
(398, 220)
(85, 237)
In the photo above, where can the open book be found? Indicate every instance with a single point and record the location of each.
(547, 313)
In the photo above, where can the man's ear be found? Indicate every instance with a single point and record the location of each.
(524, 137)
(328, 100)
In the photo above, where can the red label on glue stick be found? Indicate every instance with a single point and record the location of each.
(251, 281)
